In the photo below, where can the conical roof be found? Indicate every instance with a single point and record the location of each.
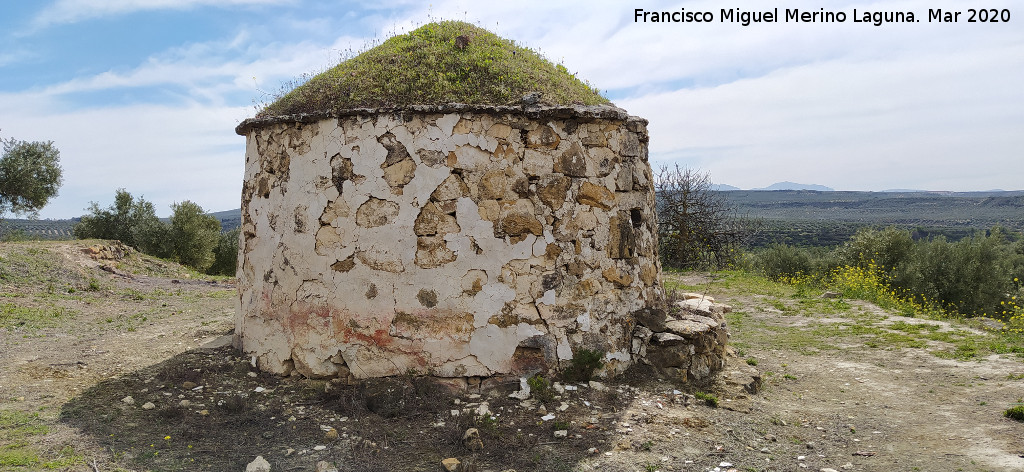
(438, 63)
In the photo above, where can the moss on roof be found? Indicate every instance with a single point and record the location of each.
(438, 63)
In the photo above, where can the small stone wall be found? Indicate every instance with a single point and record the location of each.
(455, 241)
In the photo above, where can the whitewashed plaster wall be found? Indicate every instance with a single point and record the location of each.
(473, 242)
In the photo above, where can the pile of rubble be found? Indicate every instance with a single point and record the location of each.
(687, 342)
(114, 251)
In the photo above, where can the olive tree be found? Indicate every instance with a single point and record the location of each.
(30, 175)
(193, 235)
(133, 222)
(190, 236)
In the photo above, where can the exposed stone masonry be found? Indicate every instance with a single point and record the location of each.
(457, 241)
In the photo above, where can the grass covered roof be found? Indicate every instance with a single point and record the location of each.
(438, 63)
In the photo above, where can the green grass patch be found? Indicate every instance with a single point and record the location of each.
(18, 455)
(18, 316)
(751, 333)
(437, 63)
(25, 265)
(754, 284)
(66, 457)
(18, 425)
(823, 306)
(17, 432)
(708, 398)
(863, 325)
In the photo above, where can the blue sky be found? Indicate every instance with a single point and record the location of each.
(145, 94)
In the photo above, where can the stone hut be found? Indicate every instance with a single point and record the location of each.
(477, 234)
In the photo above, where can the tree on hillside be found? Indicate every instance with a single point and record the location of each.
(697, 227)
(189, 237)
(127, 220)
(193, 235)
(30, 175)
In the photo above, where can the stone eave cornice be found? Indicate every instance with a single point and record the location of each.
(584, 112)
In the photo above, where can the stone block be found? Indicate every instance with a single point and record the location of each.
(595, 196)
(572, 162)
(669, 355)
(542, 137)
(553, 191)
(376, 212)
(621, 237)
(432, 251)
(399, 174)
(453, 187)
(651, 317)
(537, 164)
(617, 277)
(433, 221)
(493, 185)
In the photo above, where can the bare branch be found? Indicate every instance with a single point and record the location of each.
(696, 225)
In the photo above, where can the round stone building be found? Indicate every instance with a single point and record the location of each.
(497, 228)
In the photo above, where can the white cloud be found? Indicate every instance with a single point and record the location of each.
(73, 11)
(914, 121)
(208, 71)
(169, 152)
(847, 105)
(11, 57)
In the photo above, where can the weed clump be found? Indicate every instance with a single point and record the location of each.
(583, 365)
(541, 389)
(708, 398)
(438, 63)
(1015, 413)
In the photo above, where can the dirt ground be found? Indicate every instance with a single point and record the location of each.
(846, 386)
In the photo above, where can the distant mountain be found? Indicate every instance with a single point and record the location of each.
(902, 190)
(724, 187)
(229, 219)
(796, 186)
(235, 214)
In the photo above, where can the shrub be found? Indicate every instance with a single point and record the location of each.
(189, 238)
(583, 365)
(194, 235)
(1015, 413)
(973, 276)
(781, 262)
(886, 249)
(708, 398)
(541, 389)
(127, 220)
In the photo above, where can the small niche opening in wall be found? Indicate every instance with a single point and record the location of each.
(636, 217)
